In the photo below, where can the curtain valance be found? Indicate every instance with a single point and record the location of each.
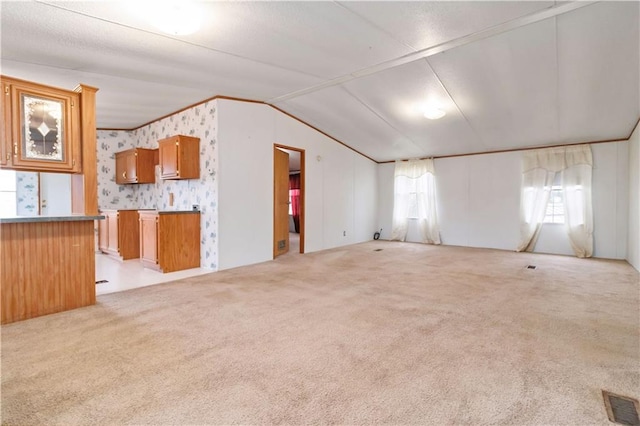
(413, 169)
(557, 159)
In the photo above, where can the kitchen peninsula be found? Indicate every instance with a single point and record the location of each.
(48, 265)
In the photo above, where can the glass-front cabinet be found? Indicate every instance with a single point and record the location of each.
(41, 126)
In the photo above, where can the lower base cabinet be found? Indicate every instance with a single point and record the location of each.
(170, 241)
(118, 234)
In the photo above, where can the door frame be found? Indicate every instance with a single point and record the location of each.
(302, 192)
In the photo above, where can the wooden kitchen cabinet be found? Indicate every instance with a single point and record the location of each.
(170, 241)
(118, 234)
(148, 232)
(136, 165)
(179, 157)
(40, 127)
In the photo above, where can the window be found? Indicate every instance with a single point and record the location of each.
(411, 186)
(413, 206)
(292, 193)
(7, 193)
(555, 207)
(414, 189)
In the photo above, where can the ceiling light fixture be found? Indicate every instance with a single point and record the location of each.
(175, 18)
(434, 113)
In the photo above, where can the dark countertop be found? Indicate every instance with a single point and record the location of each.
(35, 219)
(126, 210)
(177, 211)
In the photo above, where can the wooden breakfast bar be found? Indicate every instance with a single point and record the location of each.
(47, 265)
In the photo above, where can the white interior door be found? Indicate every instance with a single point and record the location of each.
(55, 194)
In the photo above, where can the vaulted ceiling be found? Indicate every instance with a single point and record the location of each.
(508, 74)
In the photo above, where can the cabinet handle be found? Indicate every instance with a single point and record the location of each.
(177, 143)
(73, 163)
(124, 175)
(8, 156)
(15, 149)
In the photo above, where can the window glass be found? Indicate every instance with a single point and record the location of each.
(412, 213)
(555, 206)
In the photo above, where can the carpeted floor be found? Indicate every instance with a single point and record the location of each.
(412, 334)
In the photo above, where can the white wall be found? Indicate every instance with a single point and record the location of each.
(633, 245)
(610, 194)
(478, 200)
(340, 187)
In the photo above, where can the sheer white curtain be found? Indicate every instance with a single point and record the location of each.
(536, 187)
(415, 191)
(578, 210)
(539, 169)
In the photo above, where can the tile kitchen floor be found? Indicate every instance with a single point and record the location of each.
(130, 274)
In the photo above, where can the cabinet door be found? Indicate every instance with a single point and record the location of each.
(149, 238)
(126, 167)
(169, 158)
(131, 165)
(121, 168)
(103, 233)
(112, 231)
(45, 128)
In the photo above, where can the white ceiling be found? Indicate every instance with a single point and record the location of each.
(509, 74)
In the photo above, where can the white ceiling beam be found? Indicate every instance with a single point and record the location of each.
(534, 17)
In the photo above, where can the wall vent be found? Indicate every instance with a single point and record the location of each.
(621, 409)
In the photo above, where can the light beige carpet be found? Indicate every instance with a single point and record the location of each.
(412, 334)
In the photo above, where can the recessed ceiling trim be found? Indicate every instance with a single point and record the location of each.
(442, 47)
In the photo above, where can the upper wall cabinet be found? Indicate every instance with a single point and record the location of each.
(136, 166)
(179, 157)
(40, 127)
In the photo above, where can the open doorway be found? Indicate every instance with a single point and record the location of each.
(288, 200)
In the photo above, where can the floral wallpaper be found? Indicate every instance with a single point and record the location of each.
(27, 194)
(199, 121)
(110, 194)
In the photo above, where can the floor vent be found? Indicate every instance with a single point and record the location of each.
(621, 409)
(102, 281)
(531, 267)
(378, 249)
